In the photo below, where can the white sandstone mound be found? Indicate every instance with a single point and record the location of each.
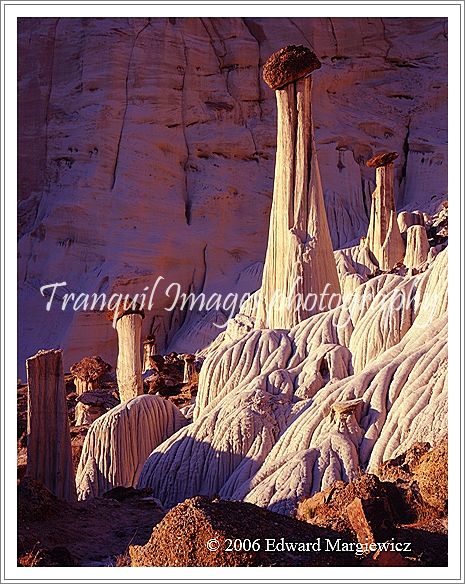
(404, 397)
(118, 443)
(199, 458)
(365, 324)
(275, 420)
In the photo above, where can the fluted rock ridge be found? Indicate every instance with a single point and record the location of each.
(118, 443)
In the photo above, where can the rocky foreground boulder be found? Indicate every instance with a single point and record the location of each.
(407, 508)
(420, 475)
(406, 503)
(186, 533)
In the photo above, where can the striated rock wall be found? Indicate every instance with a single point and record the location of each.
(146, 147)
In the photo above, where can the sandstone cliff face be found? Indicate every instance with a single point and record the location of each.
(146, 148)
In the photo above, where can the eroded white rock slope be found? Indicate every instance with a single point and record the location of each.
(272, 422)
(147, 147)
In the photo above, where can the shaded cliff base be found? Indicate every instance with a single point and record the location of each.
(55, 533)
(127, 527)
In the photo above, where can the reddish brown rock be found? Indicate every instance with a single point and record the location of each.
(330, 507)
(420, 477)
(308, 508)
(403, 466)
(431, 475)
(382, 159)
(359, 522)
(88, 372)
(289, 64)
(371, 520)
(387, 559)
(126, 306)
(181, 538)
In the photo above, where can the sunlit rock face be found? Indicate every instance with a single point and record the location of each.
(146, 148)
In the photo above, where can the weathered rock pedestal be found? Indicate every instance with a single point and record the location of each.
(384, 238)
(129, 364)
(129, 367)
(150, 349)
(88, 373)
(300, 273)
(417, 246)
(189, 367)
(344, 415)
(91, 405)
(49, 457)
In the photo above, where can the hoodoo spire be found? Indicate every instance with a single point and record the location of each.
(384, 238)
(300, 276)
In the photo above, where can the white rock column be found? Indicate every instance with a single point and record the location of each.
(129, 364)
(384, 238)
(417, 246)
(49, 457)
(300, 272)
